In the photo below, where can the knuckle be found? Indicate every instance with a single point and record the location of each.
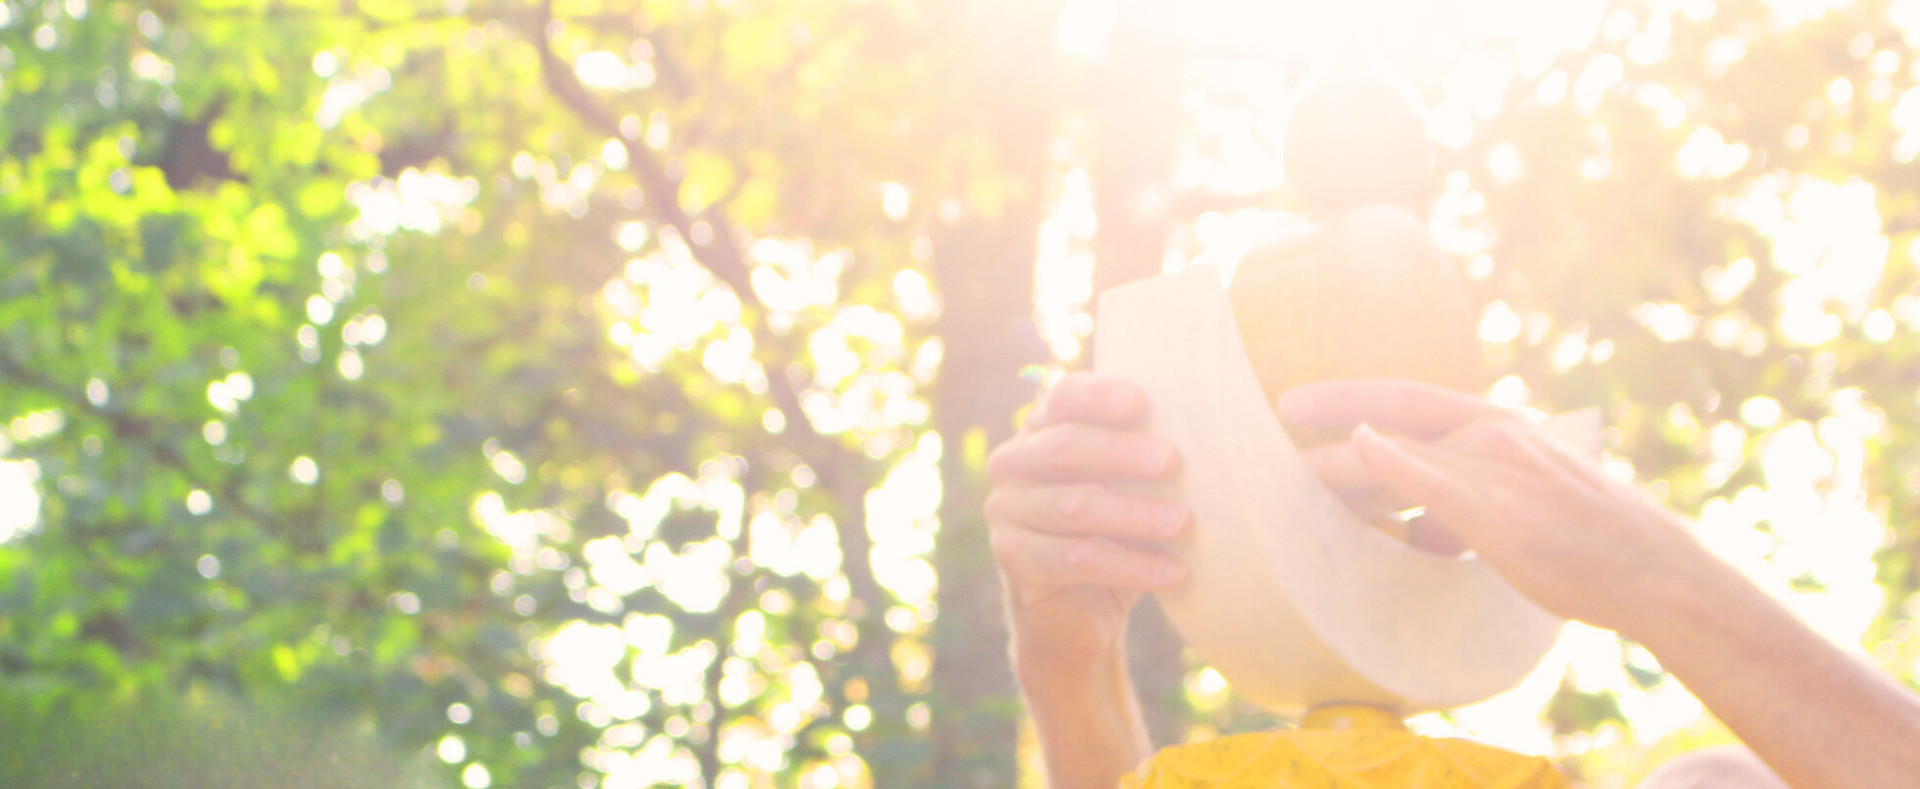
(1448, 490)
(1077, 557)
(995, 507)
(1488, 435)
(1058, 399)
(1008, 546)
(1335, 464)
(1050, 440)
(1075, 381)
(1490, 430)
(1001, 461)
(1053, 448)
(1505, 434)
(1071, 502)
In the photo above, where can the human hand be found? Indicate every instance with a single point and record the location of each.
(1069, 547)
(1552, 523)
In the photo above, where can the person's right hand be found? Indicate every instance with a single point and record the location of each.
(1068, 544)
(1558, 528)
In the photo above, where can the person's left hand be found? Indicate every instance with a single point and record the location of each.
(1558, 528)
(1076, 553)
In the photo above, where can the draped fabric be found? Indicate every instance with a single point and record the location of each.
(1343, 748)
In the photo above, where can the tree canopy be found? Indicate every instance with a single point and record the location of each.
(575, 393)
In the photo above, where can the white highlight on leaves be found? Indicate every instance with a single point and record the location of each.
(452, 749)
(1905, 118)
(893, 200)
(508, 467)
(601, 69)
(612, 567)
(227, 393)
(1602, 73)
(19, 498)
(1499, 323)
(1761, 412)
(1503, 163)
(1668, 321)
(1707, 154)
(350, 365)
(614, 155)
(304, 470)
(419, 201)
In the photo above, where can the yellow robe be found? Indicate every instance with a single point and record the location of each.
(1343, 747)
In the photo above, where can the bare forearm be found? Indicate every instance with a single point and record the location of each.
(1090, 727)
(1821, 718)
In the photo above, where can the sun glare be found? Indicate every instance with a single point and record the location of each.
(1803, 529)
(1805, 534)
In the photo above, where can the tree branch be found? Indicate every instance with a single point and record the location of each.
(138, 432)
(840, 469)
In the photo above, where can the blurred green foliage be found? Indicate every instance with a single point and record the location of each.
(578, 380)
(202, 740)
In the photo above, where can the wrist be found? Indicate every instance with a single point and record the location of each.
(1049, 648)
(1665, 585)
(1686, 612)
(1045, 673)
(1087, 720)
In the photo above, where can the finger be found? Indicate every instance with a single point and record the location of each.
(1413, 408)
(1373, 505)
(1419, 481)
(1087, 510)
(1574, 465)
(1428, 534)
(1038, 565)
(1339, 468)
(1523, 445)
(1074, 452)
(1092, 399)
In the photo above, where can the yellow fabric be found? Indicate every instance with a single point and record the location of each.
(1343, 747)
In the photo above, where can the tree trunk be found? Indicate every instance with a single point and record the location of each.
(983, 264)
(1136, 122)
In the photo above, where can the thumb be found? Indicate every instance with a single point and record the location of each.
(1417, 481)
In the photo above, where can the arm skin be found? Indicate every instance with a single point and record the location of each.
(1090, 727)
(1066, 545)
(1588, 547)
(1063, 541)
(1818, 716)
(1574, 540)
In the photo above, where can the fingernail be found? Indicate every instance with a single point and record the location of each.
(1295, 405)
(1364, 433)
